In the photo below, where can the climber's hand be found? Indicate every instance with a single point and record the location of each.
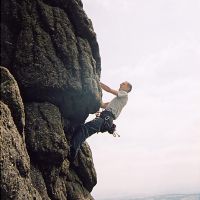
(97, 113)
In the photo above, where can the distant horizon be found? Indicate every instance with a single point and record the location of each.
(149, 196)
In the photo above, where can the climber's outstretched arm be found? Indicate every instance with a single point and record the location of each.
(108, 89)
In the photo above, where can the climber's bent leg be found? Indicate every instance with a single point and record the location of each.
(85, 131)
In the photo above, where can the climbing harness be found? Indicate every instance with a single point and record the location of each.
(108, 124)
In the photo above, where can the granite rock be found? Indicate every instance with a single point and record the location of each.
(10, 95)
(14, 161)
(51, 50)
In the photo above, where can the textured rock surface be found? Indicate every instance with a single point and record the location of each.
(87, 175)
(45, 137)
(10, 95)
(50, 49)
(14, 161)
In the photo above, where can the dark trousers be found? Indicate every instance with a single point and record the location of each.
(85, 131)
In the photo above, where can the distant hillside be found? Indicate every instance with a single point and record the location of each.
(172, 197)
(162, 197)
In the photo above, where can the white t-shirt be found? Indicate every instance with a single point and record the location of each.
(116, 105)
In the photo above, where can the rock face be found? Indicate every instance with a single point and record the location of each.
(15, 163)
(10, 95)
(50, 48)
(49, 85)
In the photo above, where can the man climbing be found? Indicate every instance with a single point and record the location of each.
(104, 122)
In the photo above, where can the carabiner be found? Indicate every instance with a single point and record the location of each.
(107, 118)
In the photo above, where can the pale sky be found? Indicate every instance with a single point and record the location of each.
(155, 45)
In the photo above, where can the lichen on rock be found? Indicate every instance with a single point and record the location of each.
(54, 55)
(49, 85)
(10, 95)
(14, 161)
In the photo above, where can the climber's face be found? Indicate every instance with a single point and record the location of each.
(126, 86)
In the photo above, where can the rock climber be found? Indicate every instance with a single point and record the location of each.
(104, 122)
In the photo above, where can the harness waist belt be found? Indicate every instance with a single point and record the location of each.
(107, 113)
